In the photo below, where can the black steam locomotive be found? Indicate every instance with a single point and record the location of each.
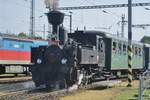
(78, 58)
(85, 57)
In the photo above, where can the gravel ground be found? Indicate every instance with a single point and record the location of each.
(97, 93)
(5, 88)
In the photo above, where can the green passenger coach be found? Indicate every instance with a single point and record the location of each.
(117, 55)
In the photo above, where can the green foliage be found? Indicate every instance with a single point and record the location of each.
(146, 39)
(22, 35)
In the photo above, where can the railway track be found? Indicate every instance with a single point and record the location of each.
(32, 95)
(12, 95)
(42, 94)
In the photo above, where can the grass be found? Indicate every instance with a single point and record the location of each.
(132, 94)
(147, 92)
(118, 92)
(127, 94)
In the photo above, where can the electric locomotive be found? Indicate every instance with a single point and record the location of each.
(15, 53)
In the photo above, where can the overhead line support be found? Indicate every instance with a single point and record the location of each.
(103, 6)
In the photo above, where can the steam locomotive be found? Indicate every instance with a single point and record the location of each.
(85, 57)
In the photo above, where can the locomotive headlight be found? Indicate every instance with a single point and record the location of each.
(39, 61)
(64, 61)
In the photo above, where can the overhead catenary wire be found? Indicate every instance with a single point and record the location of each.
(103, 10)
(148, 9)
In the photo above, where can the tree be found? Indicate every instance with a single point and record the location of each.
(22, 35)
(146, 39)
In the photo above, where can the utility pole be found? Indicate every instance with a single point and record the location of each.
(129, 43)
(122, 25)
(32, 18)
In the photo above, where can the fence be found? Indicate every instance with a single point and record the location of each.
(144, 86)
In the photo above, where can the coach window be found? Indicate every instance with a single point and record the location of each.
(124, 49)
(133, 50)
(140, 52)
(114, 47)
(119, 48)
(136, 51)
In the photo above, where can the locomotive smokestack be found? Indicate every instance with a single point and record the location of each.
(55, 18)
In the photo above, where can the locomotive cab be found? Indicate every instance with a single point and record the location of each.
(91, 49)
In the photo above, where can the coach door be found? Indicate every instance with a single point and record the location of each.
(101, 49)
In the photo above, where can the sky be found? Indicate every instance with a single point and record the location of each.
(15, 16)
